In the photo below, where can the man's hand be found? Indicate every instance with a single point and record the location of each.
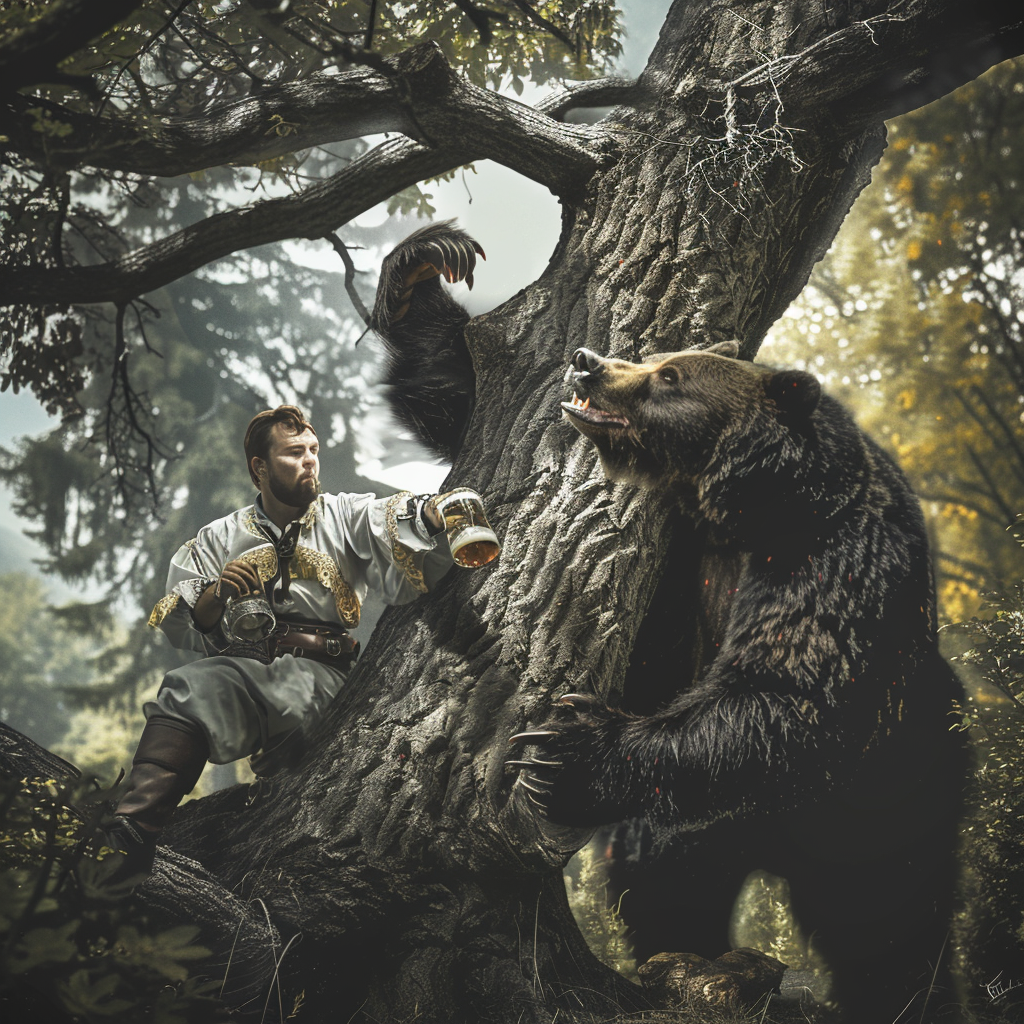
(432, 517)
(237, 579)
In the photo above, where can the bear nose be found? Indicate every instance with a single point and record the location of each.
(585, 361)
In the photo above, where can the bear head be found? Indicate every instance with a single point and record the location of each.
(679, 418)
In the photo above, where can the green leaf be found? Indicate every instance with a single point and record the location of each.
(17, 887)
(161, 952)
(44, 945)
(412, 200)
(85, 998)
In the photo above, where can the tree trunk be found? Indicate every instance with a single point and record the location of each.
(398, 874)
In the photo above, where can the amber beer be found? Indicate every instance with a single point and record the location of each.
(470, 536)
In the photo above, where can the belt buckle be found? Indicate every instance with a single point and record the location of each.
(333, 646)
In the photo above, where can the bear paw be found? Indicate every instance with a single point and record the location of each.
(436, 251)
(576, 773)
(734, 982)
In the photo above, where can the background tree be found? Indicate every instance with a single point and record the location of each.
(992, 653)
(692, 214)
(915, 318)
(41, 660)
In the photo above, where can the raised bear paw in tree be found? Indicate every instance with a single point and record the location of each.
(579, 772)
(428, 374)
(436, 251)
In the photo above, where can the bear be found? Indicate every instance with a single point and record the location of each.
(786, 709)
(428, 374)
(809, 732)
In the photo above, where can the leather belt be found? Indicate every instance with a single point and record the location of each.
(316, 640)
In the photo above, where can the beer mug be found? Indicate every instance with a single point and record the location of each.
(248, 619)
(470, 536)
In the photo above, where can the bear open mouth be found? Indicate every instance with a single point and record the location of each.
(585, 411)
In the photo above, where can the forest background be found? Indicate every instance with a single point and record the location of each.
(915, 319)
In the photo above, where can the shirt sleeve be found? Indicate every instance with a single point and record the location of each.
(400, 559)
(194, 566)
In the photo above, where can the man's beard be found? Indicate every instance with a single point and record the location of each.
(297, 495)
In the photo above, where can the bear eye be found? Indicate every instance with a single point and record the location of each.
(669, 374)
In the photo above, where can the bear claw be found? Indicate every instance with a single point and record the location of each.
(531, 734)
(520, 765)
(539, 789)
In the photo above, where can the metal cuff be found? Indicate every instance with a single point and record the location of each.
(414, 511)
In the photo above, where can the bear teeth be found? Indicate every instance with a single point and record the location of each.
(578, 402)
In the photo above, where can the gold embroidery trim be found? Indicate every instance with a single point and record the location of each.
(310, 564)
(163, 608)
(251, 519)
(312, 514)
(250, 523)
(263, 559)
(404, 559)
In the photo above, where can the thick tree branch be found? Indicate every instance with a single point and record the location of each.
(880, 58)
(897, 60)
(323, 207)
(417, 94)
(467, 124)
(372, 179)
(600, 92)
(278, 121)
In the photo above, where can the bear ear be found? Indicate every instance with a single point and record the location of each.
(729, 349)
(794, 392)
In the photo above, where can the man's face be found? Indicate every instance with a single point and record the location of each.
(293, 466)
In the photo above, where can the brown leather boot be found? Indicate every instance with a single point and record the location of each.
(167, 765)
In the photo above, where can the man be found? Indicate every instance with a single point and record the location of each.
(315, 556)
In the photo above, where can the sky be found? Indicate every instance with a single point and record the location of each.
(516, 222)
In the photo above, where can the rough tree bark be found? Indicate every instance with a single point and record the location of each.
(399, 874)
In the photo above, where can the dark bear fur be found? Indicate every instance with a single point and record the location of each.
(429, 375)
(808, 730)
(787, 707)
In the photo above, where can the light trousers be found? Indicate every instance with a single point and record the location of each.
(243, 706)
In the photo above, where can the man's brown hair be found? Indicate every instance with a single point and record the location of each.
(257, 434)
